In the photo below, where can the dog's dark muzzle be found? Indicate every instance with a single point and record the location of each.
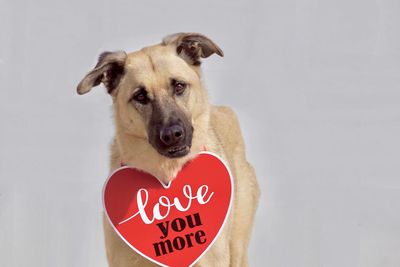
(172, 140)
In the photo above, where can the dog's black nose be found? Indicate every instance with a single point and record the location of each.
(171, 135)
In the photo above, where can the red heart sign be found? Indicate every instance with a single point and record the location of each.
(170, 225)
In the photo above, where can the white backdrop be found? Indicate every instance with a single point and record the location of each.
(314, 83)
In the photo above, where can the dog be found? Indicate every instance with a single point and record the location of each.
(163, 119)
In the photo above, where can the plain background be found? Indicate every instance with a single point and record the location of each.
(314, 83)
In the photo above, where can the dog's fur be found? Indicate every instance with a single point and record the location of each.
(138, 125)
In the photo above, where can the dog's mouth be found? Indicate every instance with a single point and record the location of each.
(177, 151)
(171, 140)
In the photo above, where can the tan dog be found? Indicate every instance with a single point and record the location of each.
(163, 119)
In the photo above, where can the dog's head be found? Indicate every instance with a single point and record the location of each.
(157, 90)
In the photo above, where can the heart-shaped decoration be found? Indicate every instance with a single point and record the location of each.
(170, 225)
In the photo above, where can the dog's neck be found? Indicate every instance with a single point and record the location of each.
(138, 153)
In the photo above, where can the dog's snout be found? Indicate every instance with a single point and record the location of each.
(170, 131)
(172, 134)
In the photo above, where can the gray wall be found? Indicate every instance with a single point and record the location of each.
(315, 85)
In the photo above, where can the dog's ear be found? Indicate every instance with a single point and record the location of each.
(192, 46)
(108, 70)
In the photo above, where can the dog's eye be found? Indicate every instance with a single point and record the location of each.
(141, 96)
(179, 87)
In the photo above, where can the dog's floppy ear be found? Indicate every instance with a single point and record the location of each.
(108, 70)
(192, 46)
